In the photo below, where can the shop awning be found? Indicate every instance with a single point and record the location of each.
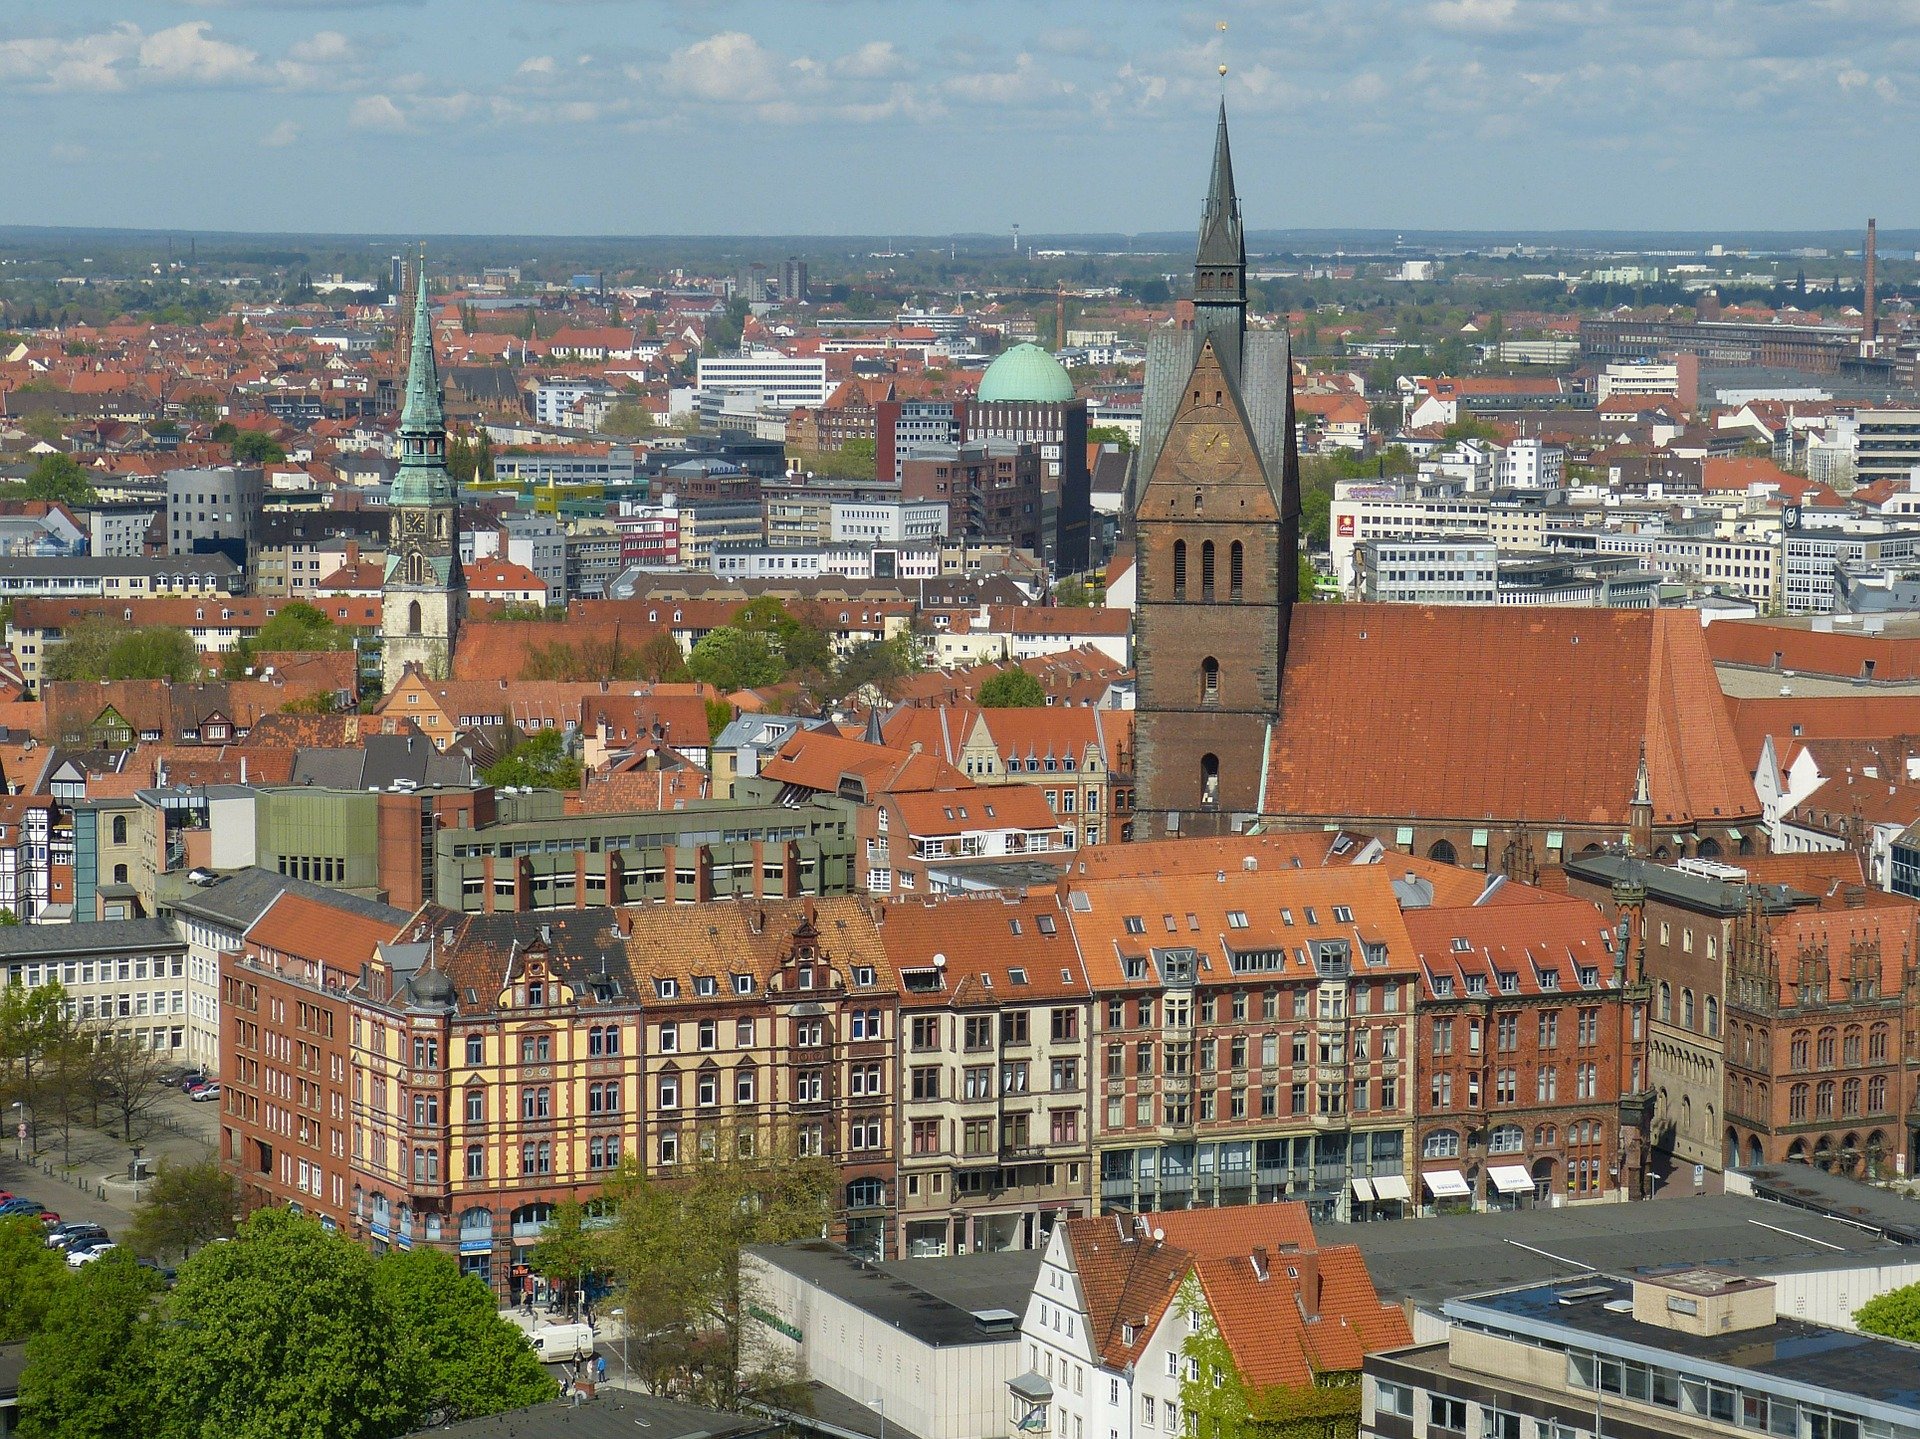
(1447, 1184)
(1392, 1186)
(1363, 1189)
(1510, 1178)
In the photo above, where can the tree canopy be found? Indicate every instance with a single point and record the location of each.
(251, 447)
(1012, 690)
(184, 1207)
(540, 761)
(88, 1365)
(60, 478)
(1895, 1314)
(735, 659)
(297, 627)
(465, 1359)
(99, 649)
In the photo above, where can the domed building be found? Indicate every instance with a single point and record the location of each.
(1026, 372)
(1026, 396)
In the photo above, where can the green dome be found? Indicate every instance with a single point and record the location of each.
(1026, 372)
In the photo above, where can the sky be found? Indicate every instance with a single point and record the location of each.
(932, 117)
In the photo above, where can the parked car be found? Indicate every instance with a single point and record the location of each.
(22, 1206)
(193, 1082)
(65, 1236)
(205, 1091)
(49, 1218)
(166, 1272)
(93, 1251)
(185, 1077)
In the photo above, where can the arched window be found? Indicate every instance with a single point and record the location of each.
(1797, 1102)
(1209, 779)
(1179, 569)
(1442, 851)
(119, 829)
(413, 618)
(1850, 1047)
(1823, 1100)
(1708, 849)
(1877, 1094)
(1823, 1050)
(119, 874)
(866, 1194)
(1441, 1144)
(1506, 1139)
(1850, 1098)
(1206, 571)
(1666, 1001)
(1713, 1016)
(1797, 1049)
(1236, 570)
(1686, 1008)
(1877, 1043)
(1209, 681)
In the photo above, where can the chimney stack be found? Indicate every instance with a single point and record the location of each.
(1870, 329)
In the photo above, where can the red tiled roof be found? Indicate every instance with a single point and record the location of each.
(1402, 711)
(1841, 654)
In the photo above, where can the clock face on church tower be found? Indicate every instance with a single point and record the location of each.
(1212, 444)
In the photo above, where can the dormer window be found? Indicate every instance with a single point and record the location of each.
(743, 984)
(805, 973)
(704, 986)
(668, 988)
(536, 993)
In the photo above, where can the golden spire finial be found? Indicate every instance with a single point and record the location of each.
(1222, 28)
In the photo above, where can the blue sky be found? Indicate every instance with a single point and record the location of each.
(935, 116)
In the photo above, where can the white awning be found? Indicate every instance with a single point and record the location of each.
(1510, 1178)
(1392, 1186)
(1447, 1184)
(1363, 1189)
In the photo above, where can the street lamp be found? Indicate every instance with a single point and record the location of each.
(24, 1129)
(879, 1401)
(626, 1375)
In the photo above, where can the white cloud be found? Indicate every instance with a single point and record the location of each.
(536, 65)
(125, 56)
(282, 135)
(186, 54)
(68, 154)
(1475, 14)
(376, 112)
(731, 67)
(875, 60)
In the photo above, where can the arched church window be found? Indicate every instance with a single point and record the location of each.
(1209, 780)
(1179, 569)
(1209, 680)
(1236, 569)
(1206, 571)
(413, 618)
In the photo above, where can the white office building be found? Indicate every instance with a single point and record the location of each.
(789, 382)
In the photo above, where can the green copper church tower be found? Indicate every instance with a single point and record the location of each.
(423, 599)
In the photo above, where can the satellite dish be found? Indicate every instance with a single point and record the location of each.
(939, 961)
(1158, 1235)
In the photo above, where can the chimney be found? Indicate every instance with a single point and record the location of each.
(1259, 1258)
(1870, 327)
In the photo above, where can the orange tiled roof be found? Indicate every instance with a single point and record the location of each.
(1402, 711)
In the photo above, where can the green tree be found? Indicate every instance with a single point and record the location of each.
(629, 420)
(732, 659)
(251, 447)
(89, 1367)
(719, 716)
(675, 1251)
(99, 649)
(1072, 592)
(60, 478)
(297, 628)
(661, 661)
(184, 1207)
(567, 1251)
(802, 643)
(1111, 435)
(278, 1335)
(34, 1033)
(31, 1278)
(1012, 690)
(540, 761)
(1895, 1314)
(875, 668)
(1309, 580)
(469, 1361)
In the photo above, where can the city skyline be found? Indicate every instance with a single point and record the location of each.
(542, 116)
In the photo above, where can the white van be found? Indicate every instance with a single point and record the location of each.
(562, 1343)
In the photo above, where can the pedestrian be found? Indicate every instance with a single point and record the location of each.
(600, 1368)
(526, 1300)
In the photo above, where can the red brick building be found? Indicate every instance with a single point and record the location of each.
(1823, 1036)
(1532, 1036)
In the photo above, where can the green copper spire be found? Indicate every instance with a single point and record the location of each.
(423, 478)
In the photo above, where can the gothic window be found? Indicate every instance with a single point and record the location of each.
(1236, 569)
(1209, 680)
(413, 618)
(119, 829)
(1442, 852)
(1206, 571)
(1209, 779)
(1179, 569)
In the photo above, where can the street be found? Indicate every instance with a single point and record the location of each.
(88, 1176)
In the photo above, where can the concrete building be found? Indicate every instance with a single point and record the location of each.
(1886, 444)
(788, 382)
(1458, 570)
(1816, 562)
(1698, 1353)
(937, 1340)
(84, 577)
(216, 512)
(1531, 465)
(129, 974)
(886, 523)
(994, 489)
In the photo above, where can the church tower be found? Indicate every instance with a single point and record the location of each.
(1217, 570)
(424, 597)
(1216, 529)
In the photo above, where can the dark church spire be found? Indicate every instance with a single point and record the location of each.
(1220, 262)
